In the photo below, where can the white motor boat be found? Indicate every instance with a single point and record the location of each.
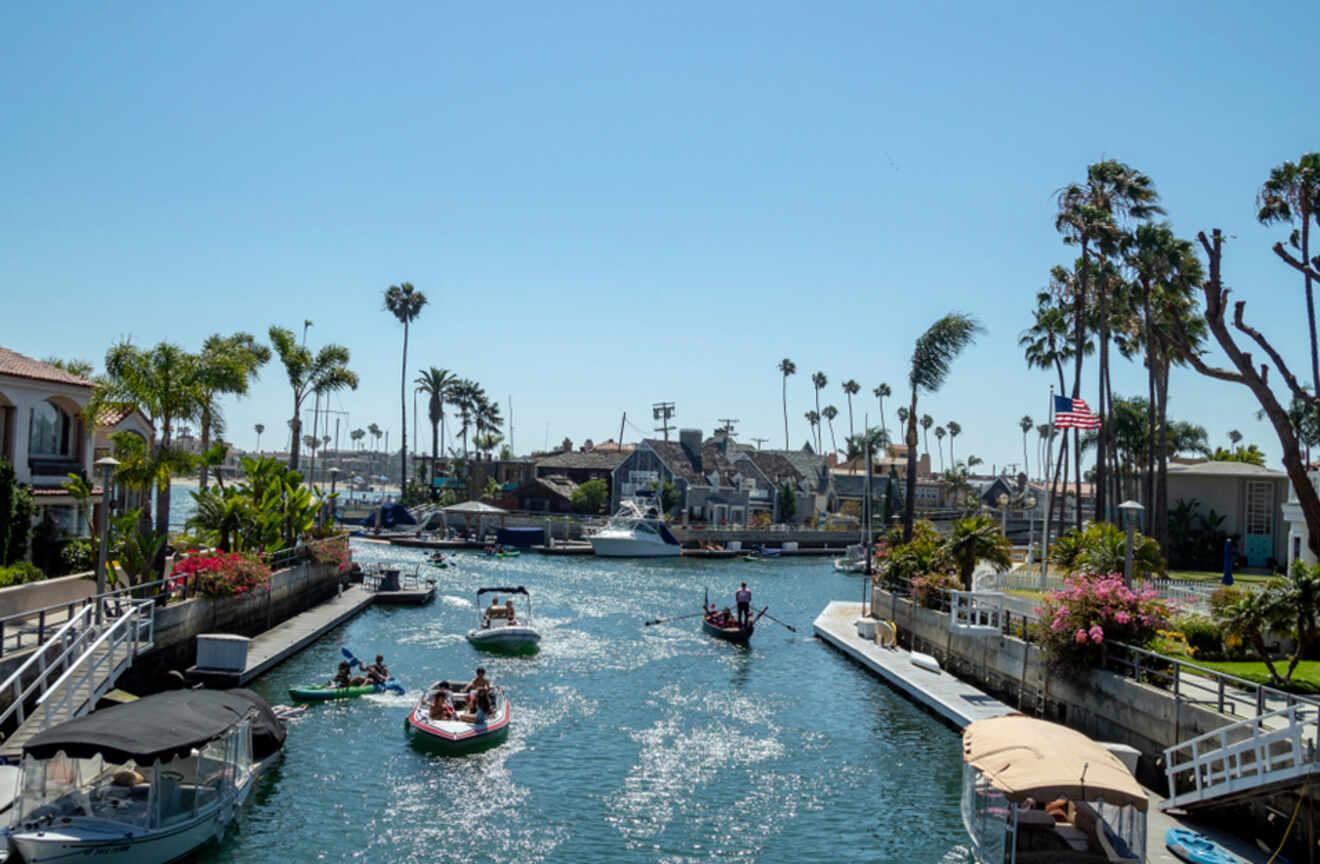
(634, 532)
(499, 628)
(453, 735)
(146, 782)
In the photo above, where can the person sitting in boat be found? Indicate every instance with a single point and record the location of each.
(345, 678)
(726, 618)
(441, 706)
(508, 612)
(481, 706)
(478, 684)
(378, 672)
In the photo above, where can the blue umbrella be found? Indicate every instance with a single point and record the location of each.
(1228, 562)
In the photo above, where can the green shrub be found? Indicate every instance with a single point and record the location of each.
(19, 573)
(1203, 634)
(924, 554)
(77, 556)
(928, 589)
(1223, 597)
(1101, 548)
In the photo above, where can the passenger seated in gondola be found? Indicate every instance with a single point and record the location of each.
(378, 672)
(726, 618)
(481, 706)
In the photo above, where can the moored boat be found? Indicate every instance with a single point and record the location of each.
(635, 533)
(146, 782)
(499, 628)
(453, 736)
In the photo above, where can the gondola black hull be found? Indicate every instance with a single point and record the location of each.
(733, 634)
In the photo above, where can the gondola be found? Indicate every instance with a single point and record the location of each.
(734, 634)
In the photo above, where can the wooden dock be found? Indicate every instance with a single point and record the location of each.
(281, 642)
(561, 547)
(957, 702)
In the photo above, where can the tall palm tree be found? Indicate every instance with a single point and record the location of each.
(1026, 424)
(1043, 430)
(1292, 191)
(955, 429)
(405, 303)
(927, 421)
(940, 432)
(829, 413)
(813, 420)
(260, 427)
(375, 432)
(880, 393)
(786, 367)
(818, 381)
(902, 413)
(435, 383)
(161, 383)
(932, 354)
(357, 435)
(325, 371)
(226, 365)
(851, 388)
(1234, 436)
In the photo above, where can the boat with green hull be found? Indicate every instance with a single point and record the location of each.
(324, 692)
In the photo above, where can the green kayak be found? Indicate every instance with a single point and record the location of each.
(502, 554)
(322, 692)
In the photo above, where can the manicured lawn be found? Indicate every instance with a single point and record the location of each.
(1305, 678)
(1209, 576)
(1034, 596)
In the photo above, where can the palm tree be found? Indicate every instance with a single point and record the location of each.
(357, 435)
(974, 539)
(940, 432)
(927, 421)
(932, 354)
(405, 303)
(813, 420)
(1043, 430)
(829, 414)
(1292, 191)
(786, 368)
(226, 366)
(851, 388)
(818, 381)
(324, 372)
(435, 383)
(902, 413)
(880, 393)
(161, 383)
(260, 427)
(955, 429)
(1026, 424)
(1234, 436)
(376, 434)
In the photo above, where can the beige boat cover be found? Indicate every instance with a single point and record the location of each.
(1025, 757)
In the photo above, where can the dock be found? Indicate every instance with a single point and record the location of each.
(281, 642)
(562, 547)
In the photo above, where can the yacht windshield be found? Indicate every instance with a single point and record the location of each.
(61, 788)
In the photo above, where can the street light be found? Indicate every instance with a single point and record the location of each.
(1030, 504)
(107, 464)
(1003, 513)
(1131, 511)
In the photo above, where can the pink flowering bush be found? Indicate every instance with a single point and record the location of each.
(1076, 620)
(222, 574)
(929, 589)
(331, 551)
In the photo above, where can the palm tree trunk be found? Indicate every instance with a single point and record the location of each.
(818, 444)
(852, 433)
(206, 442)
(833, 441)
(403, 412)
(1161, 523)
(316, 414)
(163, 486)
(1026, 466)
(1101, 440)
(1148, 481)
(295, 426)
(786, 412)
(1079, 337)
(1310, 302)
(910, 482)
(435, 449)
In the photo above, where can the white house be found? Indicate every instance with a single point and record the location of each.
(1297, 533)
(1251, 499)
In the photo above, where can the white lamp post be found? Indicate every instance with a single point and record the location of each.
(107, 464)
(1131, 511)
(1003, 512)
(1030, 504)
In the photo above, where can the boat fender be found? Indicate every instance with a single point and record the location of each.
(925, 661)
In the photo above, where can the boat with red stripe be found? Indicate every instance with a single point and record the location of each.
(457, 729)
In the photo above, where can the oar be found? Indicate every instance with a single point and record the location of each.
(392, 684)
(675, 618)
(348, 655)
(777, 621)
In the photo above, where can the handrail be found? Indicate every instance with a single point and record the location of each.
(78, 626)
(123, 631)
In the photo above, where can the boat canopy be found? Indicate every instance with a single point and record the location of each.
(391, 514)
(519, 590)
(475, 508)
(1025, 757)
(161, 727)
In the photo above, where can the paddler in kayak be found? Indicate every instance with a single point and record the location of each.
(378, 672)
(344, 677)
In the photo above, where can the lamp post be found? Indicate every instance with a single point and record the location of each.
(1030, 504)
(334, 476)
(1003, 513)
(107, 464)
(1131, 511)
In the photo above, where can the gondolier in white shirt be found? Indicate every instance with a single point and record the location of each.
(744, 600)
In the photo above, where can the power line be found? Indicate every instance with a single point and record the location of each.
(726, 425)
(663, 412)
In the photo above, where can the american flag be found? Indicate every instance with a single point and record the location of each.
(1073, 413)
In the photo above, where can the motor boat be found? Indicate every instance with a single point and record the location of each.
(853, 562)
(499, 629)
(1036, 791)
(454, 736)
(635, 532)
(146, 782)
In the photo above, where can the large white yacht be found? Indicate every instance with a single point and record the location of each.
(635, 531)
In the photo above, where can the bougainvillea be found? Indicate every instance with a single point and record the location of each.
(1076, 620)
(930, 589)
(221, 574)
(331, 551)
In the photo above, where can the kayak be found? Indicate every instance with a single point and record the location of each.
(324, 692)
(501, 554)
(1197, 848)
(440, 565)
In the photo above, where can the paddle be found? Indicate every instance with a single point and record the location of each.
(777, 621)
(675, 618)
(392, 684)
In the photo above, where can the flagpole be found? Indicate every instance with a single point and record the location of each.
(1049, 504)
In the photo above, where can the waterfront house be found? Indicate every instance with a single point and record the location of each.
(550, 494)
(43, 434)
(1295, 524)
(1251, 499)
(581, 466)
(113, 420)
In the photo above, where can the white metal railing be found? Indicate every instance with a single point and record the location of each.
(71, 638)
(1270, 748)
(100, 664)
(976, 613)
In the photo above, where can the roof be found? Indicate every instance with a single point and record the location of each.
(161, 727)
(807, 465)
(556, 484)
(601, 460)
(474, 508)
(112, 414)
(1024, 757)
(21, 366)
(1211, 468)
(676, 458)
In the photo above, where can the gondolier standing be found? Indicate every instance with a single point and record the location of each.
(744, 599)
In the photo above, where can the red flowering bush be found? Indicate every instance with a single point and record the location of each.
(1077, 619)
(222, 574)
(929, 589)
(331, 551)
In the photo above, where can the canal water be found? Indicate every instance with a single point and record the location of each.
(628, 743)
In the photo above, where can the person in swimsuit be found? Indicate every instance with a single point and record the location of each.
(481, 708)
(378, 672)
(508, 612)
(344, 677)
(743, 597)
(441, 707)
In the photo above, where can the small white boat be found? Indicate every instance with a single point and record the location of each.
(456, 736)
(146, 782)
(502, 628)
(634, 532)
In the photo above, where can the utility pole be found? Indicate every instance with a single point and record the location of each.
(663, 412)
(760, 441)
(727, 425)
(622, 423)
(512, 452)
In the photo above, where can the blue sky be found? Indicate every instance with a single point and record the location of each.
(610, 205)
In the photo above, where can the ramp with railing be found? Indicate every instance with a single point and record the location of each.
(71, 671)
(977, 613)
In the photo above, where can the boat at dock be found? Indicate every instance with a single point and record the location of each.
(145, 782)
(391, 585)
(1035, 791)
(455, 736)
(499, 630)
(635, 531)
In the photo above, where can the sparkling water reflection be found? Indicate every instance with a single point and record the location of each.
(628, 743)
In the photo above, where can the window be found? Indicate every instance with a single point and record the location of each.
(1260, 509)
(48, 432)
(1297, 547)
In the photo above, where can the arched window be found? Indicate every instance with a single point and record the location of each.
(48, 432)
